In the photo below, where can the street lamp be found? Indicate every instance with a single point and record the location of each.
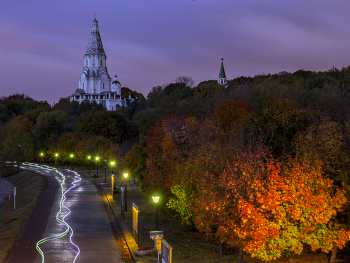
(56, 155)
(89, 157)
(71, 160)
(112, 164)
(41, 158)
(155, 198)
(105, 170)
(97, 164)
(126, 177)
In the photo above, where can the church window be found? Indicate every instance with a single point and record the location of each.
(103, 86)
(86, 62)
(101, 62)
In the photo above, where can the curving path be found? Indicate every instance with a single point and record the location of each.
(76, 228)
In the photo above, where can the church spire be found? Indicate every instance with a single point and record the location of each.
(222, 80)
(95, 46)
(222, 70)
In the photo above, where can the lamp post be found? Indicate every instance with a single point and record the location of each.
(89, 157)
(112, 164)
(155, 198)
(41, 158)
(126, 177)
(105, 170)
(97, 164)
(56, 155)
(71, 160)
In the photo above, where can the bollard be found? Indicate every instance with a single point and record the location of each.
(8, 211)
(14, 198)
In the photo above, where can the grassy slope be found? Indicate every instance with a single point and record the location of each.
(29, 187)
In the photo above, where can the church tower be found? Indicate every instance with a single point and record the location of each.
(95, 84)
(95, 78)
(222, 80)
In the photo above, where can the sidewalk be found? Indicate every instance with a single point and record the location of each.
(92, 240)
(125, 225)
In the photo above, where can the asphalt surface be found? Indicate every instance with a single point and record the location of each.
(90, 237)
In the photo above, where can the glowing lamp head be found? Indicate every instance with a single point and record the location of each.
(72, 155)
(89, 157)
(56, 154)
(155, 197)
(97, 158)
(112, 163)
(41, 154)
(125, 175)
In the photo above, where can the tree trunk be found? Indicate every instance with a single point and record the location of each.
(220, 247)
(334, 254)
(240, 257)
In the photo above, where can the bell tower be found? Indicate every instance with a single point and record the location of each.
(222, 80)
(95, 78)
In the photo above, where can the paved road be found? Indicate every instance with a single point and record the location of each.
(92, 239)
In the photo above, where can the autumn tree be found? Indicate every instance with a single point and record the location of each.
(324, 141)
(270, 209)
(232, 112)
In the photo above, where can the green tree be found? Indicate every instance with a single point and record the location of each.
(109, 124)
(155, 97)
(50, 125)
(18, 145)
(135, 161)
(279, 126)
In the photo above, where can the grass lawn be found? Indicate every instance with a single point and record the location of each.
(29, 187)
(188, 245)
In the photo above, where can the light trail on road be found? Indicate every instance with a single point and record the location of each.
(67, 212)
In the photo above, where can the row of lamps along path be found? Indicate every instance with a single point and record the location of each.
(155, 196)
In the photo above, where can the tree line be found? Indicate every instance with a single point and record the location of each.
(249, 163)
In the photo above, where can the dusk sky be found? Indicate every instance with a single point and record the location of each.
(151, 42)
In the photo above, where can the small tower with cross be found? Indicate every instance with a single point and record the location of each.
(222, 80)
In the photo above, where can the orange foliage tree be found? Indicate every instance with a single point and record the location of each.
(270, 209)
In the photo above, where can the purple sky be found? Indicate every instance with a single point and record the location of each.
(151, 42)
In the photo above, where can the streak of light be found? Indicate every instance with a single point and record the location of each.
(66, 210)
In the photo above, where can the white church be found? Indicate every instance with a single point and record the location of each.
(95, 84)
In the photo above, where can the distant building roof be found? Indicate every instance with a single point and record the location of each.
(80, 91)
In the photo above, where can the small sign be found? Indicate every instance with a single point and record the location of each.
(112, 183)
(167, 252)
(135, 222)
